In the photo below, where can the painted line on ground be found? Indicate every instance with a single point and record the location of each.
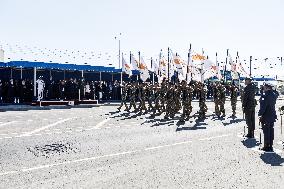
(46, 127)
(7, 123)
(210, 138)
(39, 167)
(100, 124)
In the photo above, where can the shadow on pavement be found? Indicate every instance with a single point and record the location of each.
(250, 143)
(272, 159)
(196, 126)
(232, 121)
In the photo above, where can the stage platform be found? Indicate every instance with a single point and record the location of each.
(64, 102)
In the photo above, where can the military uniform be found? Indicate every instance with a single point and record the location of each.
(248, 104)
(142, 98)
(222, 99)
(234, 98)
(202, 99)
(163, 92)
(186, 102)
(216, 97)
(170, 102)
(267, 116)
(132, 97)
(123, 98)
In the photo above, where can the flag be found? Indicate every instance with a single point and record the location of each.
(234, 73)
(1, 55)
(155, 67)
(198, 57)
(240, 69)
(180, 66)
(134, 63)
(144, 72)
(126, 68)
(163, 67)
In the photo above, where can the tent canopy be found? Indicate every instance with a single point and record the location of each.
(44, 65)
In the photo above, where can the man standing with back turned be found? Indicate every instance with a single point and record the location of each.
(249, 104)
(267, 115)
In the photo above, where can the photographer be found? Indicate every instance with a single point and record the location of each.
(267, 115)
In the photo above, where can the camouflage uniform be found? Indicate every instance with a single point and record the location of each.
(170, 102)
(142, 98)
(216, 96)
(222, 99)
(234, 98)
(176, 99)
(163, 92)
(132, 97)
(151, 97)
(123, 98)
(186, 102)
(158, 95)
(202, 91)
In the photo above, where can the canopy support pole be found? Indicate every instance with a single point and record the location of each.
(34, 81)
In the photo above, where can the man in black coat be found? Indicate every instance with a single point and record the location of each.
(248, 105)
(267, 115)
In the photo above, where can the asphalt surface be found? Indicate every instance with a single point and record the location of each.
(101, 148)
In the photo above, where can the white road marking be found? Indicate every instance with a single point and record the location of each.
(167, 145)
(8, 123)
(209, 138)
(95, 157)
(4, 134)
(100, 124)
(45, 127)
(8, 173)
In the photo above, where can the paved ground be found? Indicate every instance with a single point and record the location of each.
(101, 148)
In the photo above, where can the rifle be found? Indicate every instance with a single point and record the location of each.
(281, 110)
(260, 143)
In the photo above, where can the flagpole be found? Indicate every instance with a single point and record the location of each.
(121, 70)
(188, 54)
(250, 61)
(152, 69)
(201, 69)
(139, 63)
(189, 61)
(217, 64)
(169, 64)
(237, 71)
(159, 71)
(225, 78)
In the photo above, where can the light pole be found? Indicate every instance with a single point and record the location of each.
(119, 36)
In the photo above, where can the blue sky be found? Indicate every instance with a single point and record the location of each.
(252, 27)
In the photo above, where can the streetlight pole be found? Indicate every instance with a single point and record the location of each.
(250, 61)
(119, 50)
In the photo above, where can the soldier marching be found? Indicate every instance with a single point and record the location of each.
(171, 98)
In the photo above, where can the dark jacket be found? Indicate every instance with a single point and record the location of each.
(267, 107)
(249, 101)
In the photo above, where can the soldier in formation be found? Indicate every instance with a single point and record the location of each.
(171, 98)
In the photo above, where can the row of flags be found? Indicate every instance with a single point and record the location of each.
(197, 67)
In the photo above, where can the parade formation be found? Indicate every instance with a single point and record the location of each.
(170, 98)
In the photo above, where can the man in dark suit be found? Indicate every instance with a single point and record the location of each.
(267, 115)
(248, 105)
